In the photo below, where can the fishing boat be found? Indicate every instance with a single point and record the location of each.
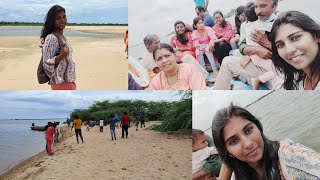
(38, 128)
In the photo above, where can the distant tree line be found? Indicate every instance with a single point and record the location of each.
(4, 23)
(174, 115)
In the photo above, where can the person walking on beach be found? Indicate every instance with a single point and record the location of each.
(49, 138)
(88, 125)
(57, 132)
(112, 123)
(125, 122)
(126, 38)
(117, 119)
(77, 126)
(56, 51)
(142, 115)
(101, 123)
(136, 121)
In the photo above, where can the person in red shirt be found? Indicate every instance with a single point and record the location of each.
(125, 122)
(49, 137)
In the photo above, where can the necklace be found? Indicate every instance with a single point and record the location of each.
(177, 74)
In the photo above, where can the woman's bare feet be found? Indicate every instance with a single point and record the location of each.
(255, 82)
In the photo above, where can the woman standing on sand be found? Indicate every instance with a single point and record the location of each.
(49, 138)
(56, 51)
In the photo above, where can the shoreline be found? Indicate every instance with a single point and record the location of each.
(25, 161)
(159, 154)
(91, 56)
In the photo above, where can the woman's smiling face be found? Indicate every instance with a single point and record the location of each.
(243, 140)
(297, 47)
(61, 20)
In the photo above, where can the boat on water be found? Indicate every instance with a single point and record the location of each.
(38, 128)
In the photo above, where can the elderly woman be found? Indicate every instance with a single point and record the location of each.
(56, 52)
(182, 42)
(174, 76)
(242, 146)
(295, 39)
(223, 31)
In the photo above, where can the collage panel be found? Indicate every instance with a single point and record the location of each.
(255, 135)
(95, 135)
(224, 45)
(63, 45)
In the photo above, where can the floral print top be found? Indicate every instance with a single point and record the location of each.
(65, 70)
(298, 161)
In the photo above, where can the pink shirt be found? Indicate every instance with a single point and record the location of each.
(50, 133)
(226, 33)
(190, 78)
(197, 39)
(175, 43)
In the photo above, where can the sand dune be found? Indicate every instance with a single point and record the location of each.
(146, 154)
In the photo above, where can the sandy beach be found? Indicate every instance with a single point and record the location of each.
(146, 154)
(100, 29)
(100, 62)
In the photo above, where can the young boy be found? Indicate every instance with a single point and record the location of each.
(200, 150)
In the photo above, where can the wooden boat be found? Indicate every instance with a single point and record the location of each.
(38, 128)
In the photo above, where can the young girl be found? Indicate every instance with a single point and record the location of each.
(56, 52)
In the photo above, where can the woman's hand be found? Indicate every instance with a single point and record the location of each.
(65, 50)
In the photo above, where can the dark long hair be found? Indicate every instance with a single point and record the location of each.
(270, 159)
(293, 76)
(237, 21)
(195, 22)
(181, 37)
(49, 24)
(224, 22)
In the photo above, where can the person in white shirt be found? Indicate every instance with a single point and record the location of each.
(200, 150)
(101, 124)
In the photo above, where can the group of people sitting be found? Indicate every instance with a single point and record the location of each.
(278, 49)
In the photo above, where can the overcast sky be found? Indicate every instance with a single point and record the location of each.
(205, 104)
(55, 104)
(78, 11)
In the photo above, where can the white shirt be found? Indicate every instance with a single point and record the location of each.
(199, 158)
(101, 123)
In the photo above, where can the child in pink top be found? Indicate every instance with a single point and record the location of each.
(202, 37)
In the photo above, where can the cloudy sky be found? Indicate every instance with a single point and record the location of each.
(55, 104)
(81, 11)
(206, 103)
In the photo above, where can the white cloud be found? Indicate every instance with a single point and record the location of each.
(41, 104)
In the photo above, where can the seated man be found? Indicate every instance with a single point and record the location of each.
(231, 66)
(150, 41)
(207, 18)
